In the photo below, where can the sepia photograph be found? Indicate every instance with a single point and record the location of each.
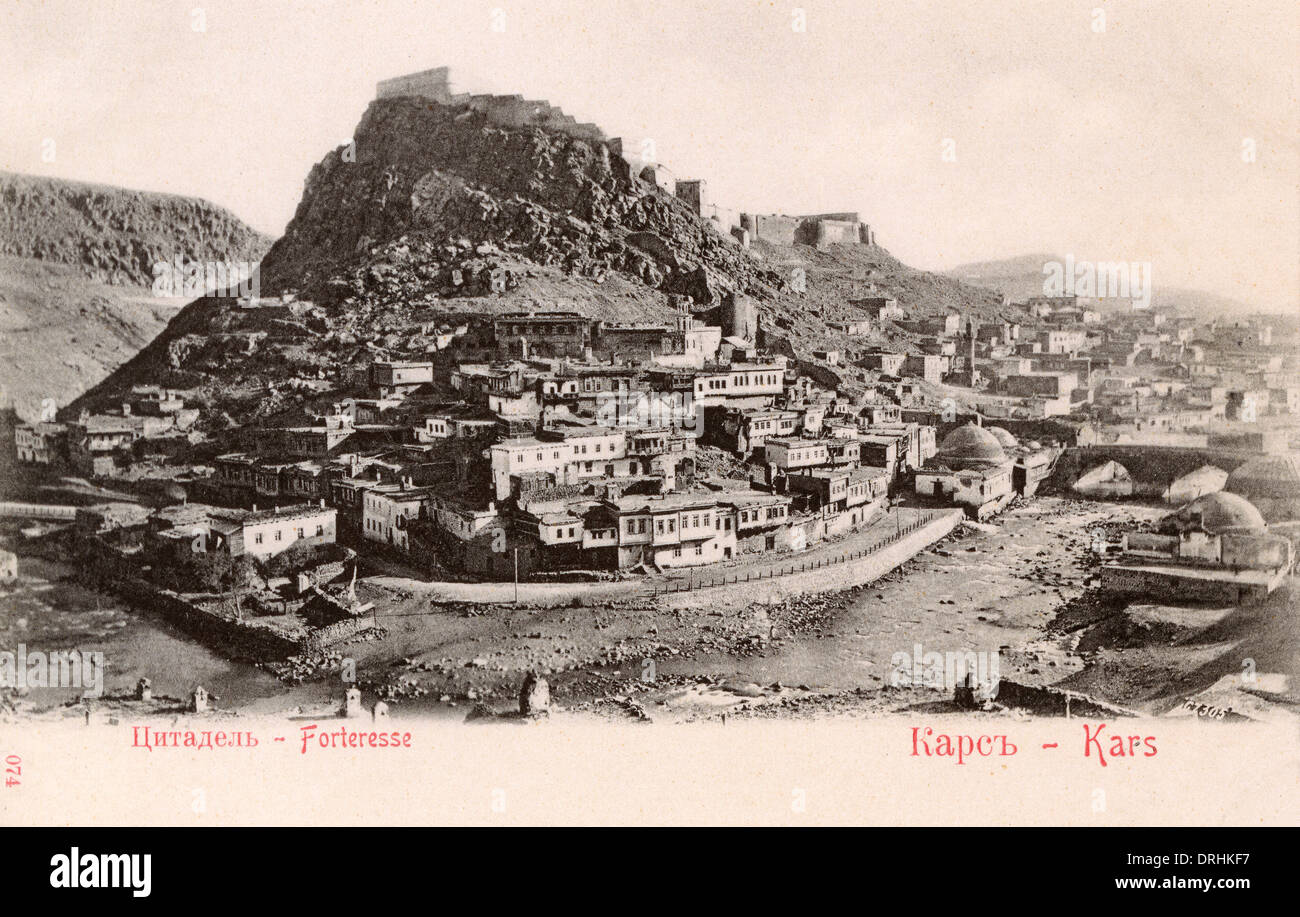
(545, 414)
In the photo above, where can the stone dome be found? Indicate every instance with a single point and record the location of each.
(971, 445)
(1266, 476)
(1004, 437)
(1217, 513)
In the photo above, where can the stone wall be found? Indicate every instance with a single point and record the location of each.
(323, 637)
(770, 227)
(836, 232)
(834, 576)
(506, 111)
(819, 229)
(516, 111)
(1171, 587)
(429, 84)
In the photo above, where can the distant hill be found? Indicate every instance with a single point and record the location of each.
(76, 267)
(1022, 276)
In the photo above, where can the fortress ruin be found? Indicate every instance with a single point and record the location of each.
(506, 111)
(514, 111)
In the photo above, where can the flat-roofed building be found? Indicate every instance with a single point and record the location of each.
(390, 377)
(263, 534)
(740, 381)
(40, 443)
(676, 530)
(556, 334)
(515, 457)
(789, 454)
(388, 510)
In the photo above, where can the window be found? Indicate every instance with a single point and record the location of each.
(257, 539)
(699, 550)
(278, 533)
(320, 530)
(677, 551)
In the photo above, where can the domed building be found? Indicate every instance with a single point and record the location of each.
(1216, 514)
(970, 470)
(970, 446)
(1272, 483)
(1206, 479)
(1004, 438)
(1215, 549)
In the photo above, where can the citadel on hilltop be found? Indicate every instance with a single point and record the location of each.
(508, 111)
(515, 111)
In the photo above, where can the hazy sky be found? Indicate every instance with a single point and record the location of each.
(1119, 143)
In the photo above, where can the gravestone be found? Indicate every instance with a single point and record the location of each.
(534, 696)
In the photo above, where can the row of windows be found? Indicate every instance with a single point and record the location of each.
(299, 533)
(758, 379)
(539, 330)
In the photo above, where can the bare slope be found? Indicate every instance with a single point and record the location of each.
(76, 265)
(61, 332)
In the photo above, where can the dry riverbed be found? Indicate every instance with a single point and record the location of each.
(1018, 589)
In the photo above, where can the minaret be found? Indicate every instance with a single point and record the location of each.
(970, 348)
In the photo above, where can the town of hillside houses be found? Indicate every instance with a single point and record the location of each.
(549, 445)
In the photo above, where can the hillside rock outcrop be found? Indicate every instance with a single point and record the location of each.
(116, 235)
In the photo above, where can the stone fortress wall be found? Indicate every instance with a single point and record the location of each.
(515, 111)
(506, 111)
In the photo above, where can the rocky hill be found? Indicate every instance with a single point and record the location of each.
(434, 211)
(116, 235)
(76, 273)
